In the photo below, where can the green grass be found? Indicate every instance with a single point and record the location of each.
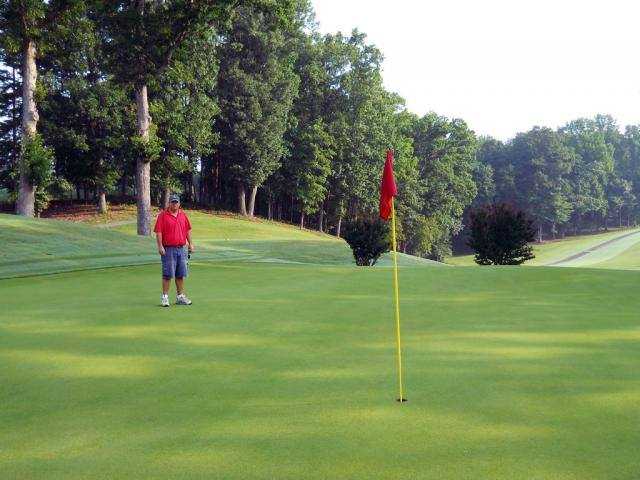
(284, 367)
(556, 250)
(34, 246)
(628, 259)
(287, 371)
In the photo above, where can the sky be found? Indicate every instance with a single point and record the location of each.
(504, 66)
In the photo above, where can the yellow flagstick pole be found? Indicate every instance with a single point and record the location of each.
(397, 299)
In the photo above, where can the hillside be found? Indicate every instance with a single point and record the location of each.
(39, 246)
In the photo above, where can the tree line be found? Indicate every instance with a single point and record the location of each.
(581, 177)
(245, 106)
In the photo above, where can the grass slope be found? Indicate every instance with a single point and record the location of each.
(557, 250)
(36, 246)
(287, 371)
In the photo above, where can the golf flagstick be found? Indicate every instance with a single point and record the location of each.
(388, 191)
(397, 300)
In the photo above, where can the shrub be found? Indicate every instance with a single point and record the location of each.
(500, 235)
(368, 240)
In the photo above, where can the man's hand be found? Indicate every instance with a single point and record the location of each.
(191, 248)
(161, 250)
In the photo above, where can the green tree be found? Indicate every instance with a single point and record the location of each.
(86, 115)
(142, 38)
(25, 27)
(310, 167)
(368, 240)
(446, 155)
(256, 89)
(10, 113)
(593, 169)
(184, 109)
(500, 235)
(542, 164)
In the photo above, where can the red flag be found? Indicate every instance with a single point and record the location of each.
(388, 188)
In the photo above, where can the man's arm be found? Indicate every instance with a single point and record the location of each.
(159, 242)
(189, 241)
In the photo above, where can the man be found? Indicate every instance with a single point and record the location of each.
(173, 231)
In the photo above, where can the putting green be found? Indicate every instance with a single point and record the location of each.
(287, 371)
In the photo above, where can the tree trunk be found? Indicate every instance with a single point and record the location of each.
(102, 202)
(124, 186)
(291, 210)
(339, 226)
(15, 150)
(301, 220)
(27, 192)
(193, 191)
(252, 201)
(620, 217)
(242, 205)
(270, 209)
(143, 166)
(321, 218)
(539, 233)
(166, 193)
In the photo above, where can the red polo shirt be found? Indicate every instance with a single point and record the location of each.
(173, 229)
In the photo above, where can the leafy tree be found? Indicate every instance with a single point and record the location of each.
(310, 167)
(307, 165)
(628, 165)
(593, 169)
(10, 113)
(142, 38)
(446, 154)
(25, 27)
(500, 235)
(495, 154)
(368, 240)
(542, 164)
(184, 108)
(86, 115)
(358, 108)
(256, 89)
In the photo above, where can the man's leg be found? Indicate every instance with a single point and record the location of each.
(181, 272)
(168, 269)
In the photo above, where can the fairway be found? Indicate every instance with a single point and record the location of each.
(287, 371)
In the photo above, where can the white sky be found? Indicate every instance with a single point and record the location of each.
(504, 66)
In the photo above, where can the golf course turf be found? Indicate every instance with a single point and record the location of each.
(284, 368)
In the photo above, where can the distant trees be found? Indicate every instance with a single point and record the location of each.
(583, 176)
(500, 235)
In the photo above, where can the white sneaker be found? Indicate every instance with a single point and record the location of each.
(182, 300)
(164, 300)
